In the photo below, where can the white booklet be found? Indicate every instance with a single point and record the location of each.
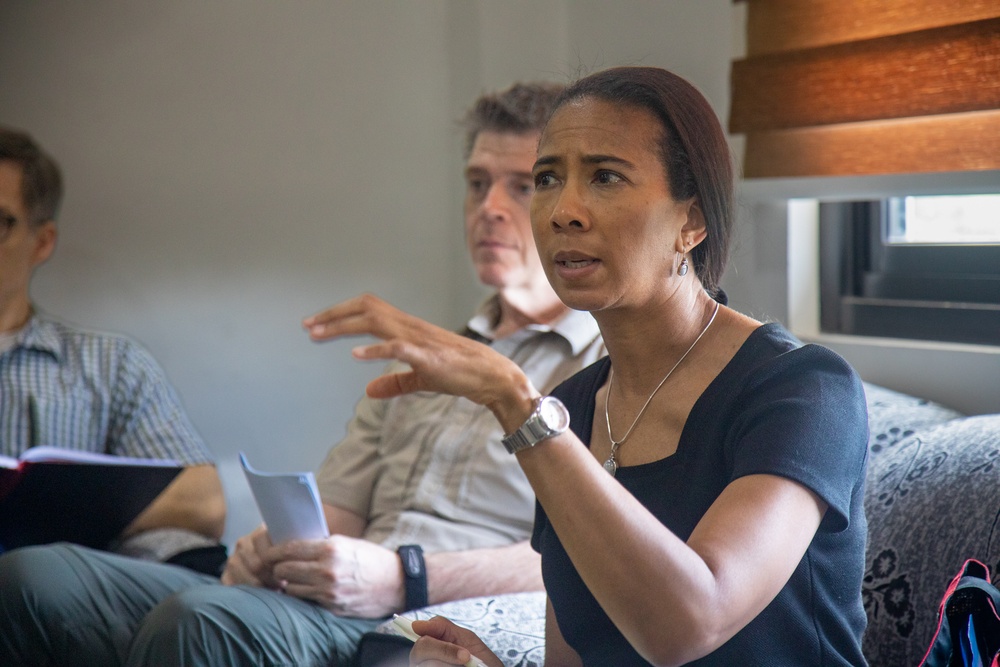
(288, 502)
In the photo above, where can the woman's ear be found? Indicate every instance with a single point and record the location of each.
(694, 230)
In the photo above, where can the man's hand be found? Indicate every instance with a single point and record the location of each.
(247, 565)
(348, 576)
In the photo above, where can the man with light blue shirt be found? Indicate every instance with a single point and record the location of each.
(65, 387)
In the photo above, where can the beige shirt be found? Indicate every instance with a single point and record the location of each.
(430, 469)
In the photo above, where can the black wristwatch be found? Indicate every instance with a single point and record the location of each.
(414, 575)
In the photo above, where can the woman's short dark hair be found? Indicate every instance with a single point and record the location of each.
(693, 150)
(41, 181)
(520, 109)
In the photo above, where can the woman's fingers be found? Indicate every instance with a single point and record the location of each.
(430, 652)
(364, 314)
(444, 643)
(439, 360)
(392, 385)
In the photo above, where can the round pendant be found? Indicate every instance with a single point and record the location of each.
(611, 466)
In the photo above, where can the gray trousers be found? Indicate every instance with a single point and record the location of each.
(67, 605)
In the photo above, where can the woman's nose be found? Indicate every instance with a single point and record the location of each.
(570, 211)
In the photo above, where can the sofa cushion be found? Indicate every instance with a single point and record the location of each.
(893, 416)
(932, 501)
(512, 625)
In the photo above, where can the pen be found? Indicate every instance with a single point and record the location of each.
(406, 629)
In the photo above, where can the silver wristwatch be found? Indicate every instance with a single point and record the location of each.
(549, 419)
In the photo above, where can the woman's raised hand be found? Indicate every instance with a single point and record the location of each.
(439, 360)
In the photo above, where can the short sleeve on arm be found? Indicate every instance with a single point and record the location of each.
(147, 418)
(804, 418)
(349, 471)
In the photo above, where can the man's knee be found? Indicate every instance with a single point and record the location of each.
(199, 625)
(43, 610)
(35, 576)
(230, 625)
(200, 610)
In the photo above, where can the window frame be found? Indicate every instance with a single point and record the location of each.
(920, 291)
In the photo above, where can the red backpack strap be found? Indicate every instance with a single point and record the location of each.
(970, 567)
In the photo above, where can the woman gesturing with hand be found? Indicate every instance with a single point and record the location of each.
(440, 361)
(705, 504)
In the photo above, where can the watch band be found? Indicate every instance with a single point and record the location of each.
(549, 418)
(414, 575)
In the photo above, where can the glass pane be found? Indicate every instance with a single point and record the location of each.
(948, 219)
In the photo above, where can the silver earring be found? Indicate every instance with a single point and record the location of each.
(682, 270)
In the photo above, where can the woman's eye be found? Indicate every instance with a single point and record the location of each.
(608, 177)
(543, 179)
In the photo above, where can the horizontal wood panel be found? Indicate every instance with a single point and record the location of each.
(784, 25)
(942, 70)
(958, 142)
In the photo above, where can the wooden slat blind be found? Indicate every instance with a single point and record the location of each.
(791, 25)
(819, 71)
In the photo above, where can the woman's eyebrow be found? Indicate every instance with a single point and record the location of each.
(547, 160)
(603, 159)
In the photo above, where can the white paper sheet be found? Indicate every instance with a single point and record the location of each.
(288, 502)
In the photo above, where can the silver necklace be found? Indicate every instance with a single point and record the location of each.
(611, 465)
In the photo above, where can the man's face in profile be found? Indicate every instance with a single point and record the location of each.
(21, 242)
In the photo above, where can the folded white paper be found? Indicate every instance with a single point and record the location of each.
(288, 502)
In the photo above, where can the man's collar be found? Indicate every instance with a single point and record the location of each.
(41, 334)
(578, 327)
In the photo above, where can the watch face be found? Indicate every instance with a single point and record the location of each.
(554, 414)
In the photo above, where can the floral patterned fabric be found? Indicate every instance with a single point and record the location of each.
(513, 625)
(932, 500)
(893, 416)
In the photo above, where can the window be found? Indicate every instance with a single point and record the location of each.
(912, 267)
(946, 220)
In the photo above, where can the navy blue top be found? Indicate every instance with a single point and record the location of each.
(779, 408)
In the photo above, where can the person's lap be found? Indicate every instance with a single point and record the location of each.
(73, 604)
(242, 625)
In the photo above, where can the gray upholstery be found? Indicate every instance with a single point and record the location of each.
(893, 416)
(932, 501)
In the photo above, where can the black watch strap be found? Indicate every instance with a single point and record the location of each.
(414, 575)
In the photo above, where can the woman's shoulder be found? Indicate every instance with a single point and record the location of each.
(771, 348)
(774, 365)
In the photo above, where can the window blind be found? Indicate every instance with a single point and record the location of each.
(854, 87)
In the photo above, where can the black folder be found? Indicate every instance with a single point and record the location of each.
(54, 495)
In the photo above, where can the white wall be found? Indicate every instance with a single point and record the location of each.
(234, 166)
